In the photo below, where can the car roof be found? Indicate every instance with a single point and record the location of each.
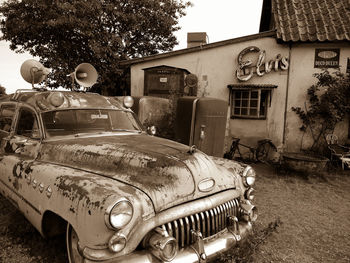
(62, 100)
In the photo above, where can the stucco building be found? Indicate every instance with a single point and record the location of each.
(264, 75)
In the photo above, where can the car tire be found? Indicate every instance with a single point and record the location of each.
(263, 151)
(72, 241)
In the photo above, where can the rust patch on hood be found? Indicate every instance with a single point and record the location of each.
(160, 168)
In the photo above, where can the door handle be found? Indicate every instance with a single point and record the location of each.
(202, 132)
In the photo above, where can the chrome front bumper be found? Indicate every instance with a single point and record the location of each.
(202, 251)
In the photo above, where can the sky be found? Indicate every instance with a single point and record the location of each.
(220, 19)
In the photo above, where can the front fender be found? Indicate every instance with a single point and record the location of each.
(236, 168)
(82, 198)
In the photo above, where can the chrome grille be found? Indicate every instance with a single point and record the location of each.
(207, 222)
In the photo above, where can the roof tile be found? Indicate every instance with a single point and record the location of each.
(312, 20)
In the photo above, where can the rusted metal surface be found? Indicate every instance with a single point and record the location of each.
(304, 163)
(71, 100)
(81, 177)
(165, 172)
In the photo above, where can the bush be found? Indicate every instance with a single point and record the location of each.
(328, 105)
(2, 90)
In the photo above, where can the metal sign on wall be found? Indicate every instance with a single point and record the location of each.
(246, 70)
(327, 57)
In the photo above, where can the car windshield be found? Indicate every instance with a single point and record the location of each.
(72, 122)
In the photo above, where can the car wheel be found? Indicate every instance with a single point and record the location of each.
(262, 152)
(72, 241)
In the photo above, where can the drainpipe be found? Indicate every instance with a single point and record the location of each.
(287, 93)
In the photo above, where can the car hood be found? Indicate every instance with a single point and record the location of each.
(164, 170)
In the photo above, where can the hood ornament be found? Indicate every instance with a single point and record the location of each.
(206, 185)
(192, 149)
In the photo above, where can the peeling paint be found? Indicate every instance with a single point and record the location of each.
(20, 171)
(162, 169)
(73, 189)
(72, 209)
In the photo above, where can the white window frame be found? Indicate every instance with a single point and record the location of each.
(249, 107)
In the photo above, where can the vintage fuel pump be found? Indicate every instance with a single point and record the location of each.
(201, 122)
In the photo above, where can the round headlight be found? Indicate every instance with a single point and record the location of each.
(56, 99)
(249, 176)
(128, 101)
(120, 214)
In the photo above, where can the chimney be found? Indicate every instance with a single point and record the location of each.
(196, 39)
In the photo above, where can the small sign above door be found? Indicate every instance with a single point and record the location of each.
(327, 57)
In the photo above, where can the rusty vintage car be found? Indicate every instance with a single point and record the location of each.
(81, 164)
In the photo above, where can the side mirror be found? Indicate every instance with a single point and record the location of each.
(152, 130)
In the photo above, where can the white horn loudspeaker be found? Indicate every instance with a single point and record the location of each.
(33, 71)
(85, 75)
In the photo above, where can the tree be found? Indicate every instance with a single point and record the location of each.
(66, 33)
(2, 90)
(329, 103)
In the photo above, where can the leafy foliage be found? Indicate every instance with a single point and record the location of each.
(65, 33)
(2, 90)
(328, 105)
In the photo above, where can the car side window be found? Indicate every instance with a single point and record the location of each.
(27, 124)
(7, 112)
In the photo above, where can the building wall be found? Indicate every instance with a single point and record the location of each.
(216, 67)
(301, 71)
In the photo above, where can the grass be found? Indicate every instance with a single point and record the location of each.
(245, 253)
(302, 218)
(20, 242)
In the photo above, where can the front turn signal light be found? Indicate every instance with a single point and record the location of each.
(117, 243)
(162, 245)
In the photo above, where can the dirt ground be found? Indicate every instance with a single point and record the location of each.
(300, 220)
